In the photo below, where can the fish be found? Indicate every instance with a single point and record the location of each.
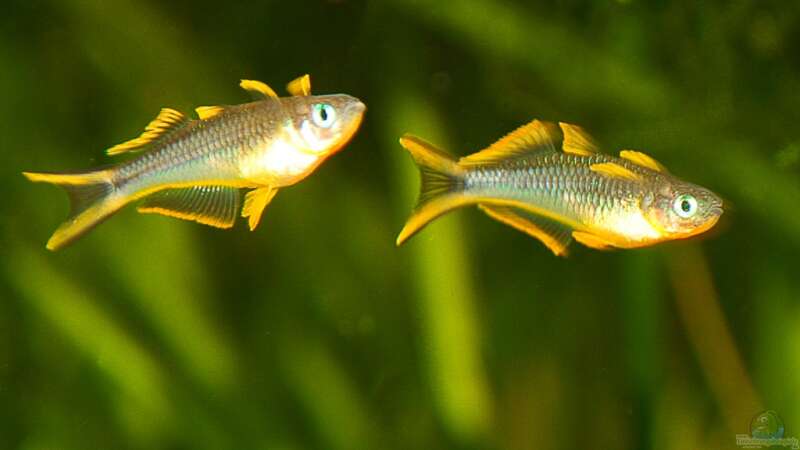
(194, 169)
(560, 195)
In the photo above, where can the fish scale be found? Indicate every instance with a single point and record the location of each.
(216, 147)
(600, 200)
(559, 181)
(192, 169)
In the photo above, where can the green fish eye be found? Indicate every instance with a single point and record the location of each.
(685, 206)
(323, 115)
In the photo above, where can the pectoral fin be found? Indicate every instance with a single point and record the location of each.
(216, 206)
(643, 160)
(552, 234)
(254, 203)
(614, 170)
(592, 240)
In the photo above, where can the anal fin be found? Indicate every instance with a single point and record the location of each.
(254, 203)
(216, 206)
(592, 240)
(554, 235)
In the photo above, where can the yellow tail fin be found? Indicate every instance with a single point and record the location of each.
(90, 202)
(441, 183)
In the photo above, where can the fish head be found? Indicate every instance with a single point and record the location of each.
(679, 210)
(323, 124)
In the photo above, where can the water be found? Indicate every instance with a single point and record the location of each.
(314, 331)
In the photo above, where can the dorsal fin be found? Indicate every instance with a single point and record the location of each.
(300, 86)
(207, 112)
(536, 136)
(576, 140)
(167, 120)
(258, 86)
(216, 206)
(614, 170)
(643, 160)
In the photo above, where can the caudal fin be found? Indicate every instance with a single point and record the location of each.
(440, 188)
(90, 202)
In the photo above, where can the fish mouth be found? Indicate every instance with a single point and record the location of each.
(702, 228)
(355, 111)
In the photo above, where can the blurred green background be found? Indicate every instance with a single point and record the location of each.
(314, 331)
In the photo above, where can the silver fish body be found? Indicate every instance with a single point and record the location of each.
(193, 169)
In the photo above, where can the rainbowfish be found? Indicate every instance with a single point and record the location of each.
(194, 169)
(525, 182)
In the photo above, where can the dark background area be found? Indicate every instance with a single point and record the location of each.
(314, 331)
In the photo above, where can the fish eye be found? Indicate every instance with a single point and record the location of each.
(324, 115)
(685, 206)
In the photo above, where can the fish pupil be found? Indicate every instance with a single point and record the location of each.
(323, 114)
(686, 206)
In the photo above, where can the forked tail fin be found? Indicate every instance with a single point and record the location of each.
(90, 202)
(441, 185)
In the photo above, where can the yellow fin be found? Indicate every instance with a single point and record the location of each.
(300, 86)
(576, 140)
(167, 120)
(591, 240)
(440, 179)
(207, 112)
(643, 160)
(425, 212)
(254, 203)
(210, 205)
(553, 235)
(614, 170)
(257, 86)
(536, 136)
(427, 155)
(91, 201)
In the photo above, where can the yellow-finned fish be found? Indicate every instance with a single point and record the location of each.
(193, 169)
(599, 200)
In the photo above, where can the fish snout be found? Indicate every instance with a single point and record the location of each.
(356, 107)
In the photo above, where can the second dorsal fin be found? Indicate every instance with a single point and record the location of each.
(167, 120)
(576, 140)
(536, 136)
